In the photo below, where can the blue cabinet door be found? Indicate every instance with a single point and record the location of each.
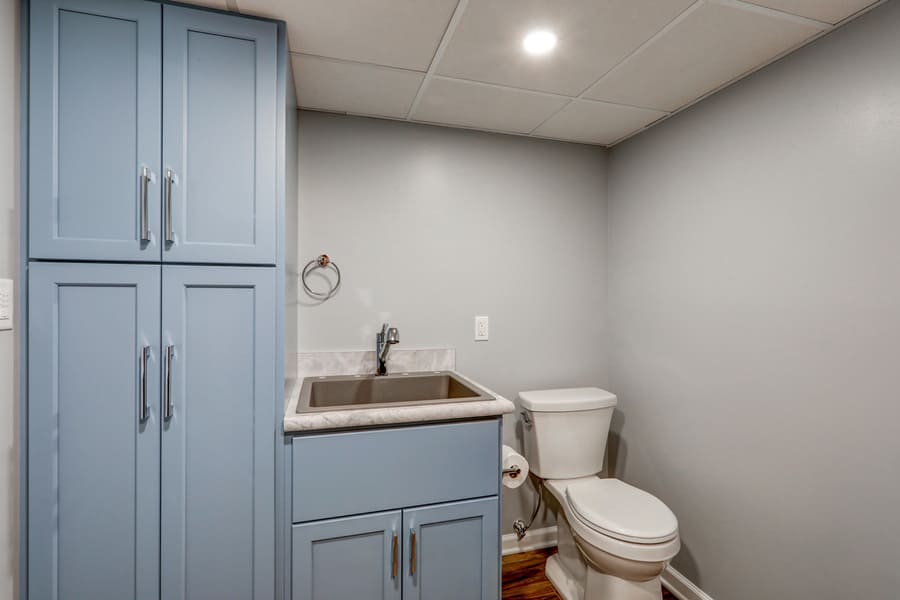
(94, 141)
(219, 118)
(93, 457)
(452, 551)
(352, 558)
(219, 425)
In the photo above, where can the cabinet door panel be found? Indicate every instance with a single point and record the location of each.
(218, 447)
(347, 559)
(93, 477)
(95, 113)
(456, 551)
(219, 136)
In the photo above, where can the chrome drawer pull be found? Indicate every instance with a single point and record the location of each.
(412, 552)
(167, 385)
(144, 408)
(145, 216)
(170, 235)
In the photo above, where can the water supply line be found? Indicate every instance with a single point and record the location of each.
(519, 525)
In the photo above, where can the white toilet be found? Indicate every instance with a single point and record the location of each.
(614, 539)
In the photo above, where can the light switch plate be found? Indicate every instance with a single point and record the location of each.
(6, 304)
(481, 329)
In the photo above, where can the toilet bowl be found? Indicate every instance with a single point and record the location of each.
(615, 540)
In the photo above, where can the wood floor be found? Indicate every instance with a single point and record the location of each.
(523, 577)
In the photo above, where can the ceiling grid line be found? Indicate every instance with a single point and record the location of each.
(353, 62)
(438, 54)
(781, 14)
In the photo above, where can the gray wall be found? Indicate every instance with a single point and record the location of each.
(755, 318)
(432, 226)
(9, 201)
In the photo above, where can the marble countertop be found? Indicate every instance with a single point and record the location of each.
(320, 364)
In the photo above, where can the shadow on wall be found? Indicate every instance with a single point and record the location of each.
(616, 461)
(616, 448)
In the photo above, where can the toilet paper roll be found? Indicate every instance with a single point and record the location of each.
(511, 460)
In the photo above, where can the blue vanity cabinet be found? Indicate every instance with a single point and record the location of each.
(452, 551)
(94, 133)
(93, 431)
(219, 122)
(349, 558)
(350, 488)
(219, 400)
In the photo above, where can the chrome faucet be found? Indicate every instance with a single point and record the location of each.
(383, 343)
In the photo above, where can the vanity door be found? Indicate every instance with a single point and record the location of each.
(452, 551)
(348, 559)
(219, 403)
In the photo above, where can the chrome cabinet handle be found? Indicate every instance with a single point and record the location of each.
(170, 235)
(167, 385)
(145, 215)
(394, 561)
(412, 551)
(144, 408)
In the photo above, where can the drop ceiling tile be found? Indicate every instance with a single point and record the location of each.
(830, 11)
(342, 86)
(400, 33)
(596, 122)
(712, 44)
(484, 106)
(594, 35)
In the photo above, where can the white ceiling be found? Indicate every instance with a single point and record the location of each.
(619, 66)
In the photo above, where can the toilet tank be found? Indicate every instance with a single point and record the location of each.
(566, 431)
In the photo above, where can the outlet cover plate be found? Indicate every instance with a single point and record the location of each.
(481, 329)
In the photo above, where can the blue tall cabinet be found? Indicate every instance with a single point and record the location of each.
(155, 269)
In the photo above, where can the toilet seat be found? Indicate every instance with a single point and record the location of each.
(624, 512)
(589, 533)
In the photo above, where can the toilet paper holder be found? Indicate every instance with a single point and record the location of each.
(512, 471)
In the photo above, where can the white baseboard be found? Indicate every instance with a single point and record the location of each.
(535, 539)
(682, 587)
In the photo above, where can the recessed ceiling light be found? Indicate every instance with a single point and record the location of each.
(539, 42)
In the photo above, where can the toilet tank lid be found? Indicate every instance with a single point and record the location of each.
(566, 400)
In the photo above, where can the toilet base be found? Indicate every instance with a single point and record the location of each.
(601, 586)
(566, 586)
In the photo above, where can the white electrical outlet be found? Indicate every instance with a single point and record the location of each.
(6, 304)
(481, 329)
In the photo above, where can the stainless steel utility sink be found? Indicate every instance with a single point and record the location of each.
(370, 391)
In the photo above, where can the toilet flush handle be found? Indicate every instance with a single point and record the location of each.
(525, 418)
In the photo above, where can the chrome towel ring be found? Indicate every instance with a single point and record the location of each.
(321, 262)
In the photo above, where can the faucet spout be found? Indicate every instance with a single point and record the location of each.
(383, 342)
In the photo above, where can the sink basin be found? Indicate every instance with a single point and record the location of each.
(371, 391)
